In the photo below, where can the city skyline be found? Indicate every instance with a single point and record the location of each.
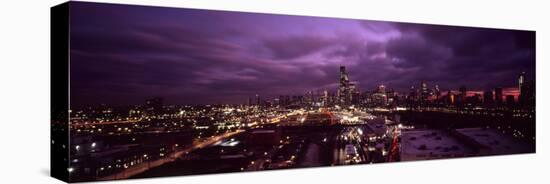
(256, 99)
(200, 57)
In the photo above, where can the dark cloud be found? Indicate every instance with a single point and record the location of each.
(413, 51)
(124, 54)
(296, 46)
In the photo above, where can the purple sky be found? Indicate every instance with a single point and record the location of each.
(125, 54)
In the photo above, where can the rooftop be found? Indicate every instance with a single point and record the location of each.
(430, 144)
(496, 141)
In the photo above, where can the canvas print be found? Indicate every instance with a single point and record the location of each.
(158, 91)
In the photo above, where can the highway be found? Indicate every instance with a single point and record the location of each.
(144, 166)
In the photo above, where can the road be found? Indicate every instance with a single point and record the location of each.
(144, 166)
(104, 123)
(349, 137)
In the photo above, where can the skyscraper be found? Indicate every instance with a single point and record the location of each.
(450, 98)
(325, 98)
(437, 92)
(521, 81)
(526, 96)
(344, 90)
(381, 89)
(424, 88)
(379, 96)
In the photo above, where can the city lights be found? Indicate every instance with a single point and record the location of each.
(185, 91)
(274, 137)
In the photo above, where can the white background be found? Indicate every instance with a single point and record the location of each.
(24, 91)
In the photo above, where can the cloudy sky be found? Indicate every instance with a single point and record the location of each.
(125, 54)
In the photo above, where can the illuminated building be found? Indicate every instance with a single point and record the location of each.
(325, 98)
(379, 97)
(521, 81)
(424, 91)
(354, 95)
(344, 91)
(526, 88)
(437, 92)
(309, 98)
(347, 92)
(381, 89)
(450, 98)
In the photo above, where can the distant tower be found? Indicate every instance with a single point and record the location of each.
(521, 82)
(526, 98)
(325, 97)
(522, 98)
(437, 91)
(344, 91)
(424, 87)
(257, 99)
(451, 98)
(424, 91)
(381, 89)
